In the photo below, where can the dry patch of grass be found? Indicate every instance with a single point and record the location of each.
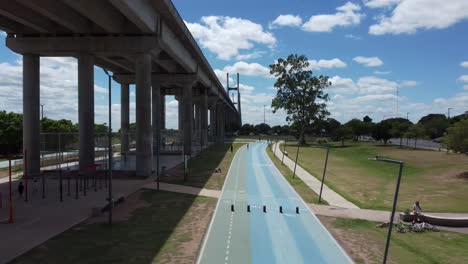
(428, 176)
(365, 243)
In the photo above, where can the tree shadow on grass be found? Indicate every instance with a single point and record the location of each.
(201, 168)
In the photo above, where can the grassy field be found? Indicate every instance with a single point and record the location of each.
(301, 188)
(201, 169)
(429, 176)
(150, 227)
(365, 243)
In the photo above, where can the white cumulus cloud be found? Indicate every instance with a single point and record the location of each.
(463, 78)
(248, 69)
(328, 64)
(346, 15)
(286, 21)
(464, 64)
(409, 16)
(368, 61)
(381, 3)
(227, 36)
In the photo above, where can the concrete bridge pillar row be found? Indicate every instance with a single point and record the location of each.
(86, 110)
(204, 118)
(144, 133)
(124, 117)
(31, 113)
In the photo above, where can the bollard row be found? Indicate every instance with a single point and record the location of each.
(264, 209)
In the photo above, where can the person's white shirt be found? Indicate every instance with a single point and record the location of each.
(417, 208)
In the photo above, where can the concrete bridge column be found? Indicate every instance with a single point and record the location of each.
(144, 134)
(187, 117)
(223, 122)
(156, 101)
(163, 111)
(213, 122)
(204, 119)
(31, 113)
(181, 113)
(124, 117)
(86, 110)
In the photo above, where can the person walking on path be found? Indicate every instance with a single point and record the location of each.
(20, 189)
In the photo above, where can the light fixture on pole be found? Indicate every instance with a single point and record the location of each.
(111, 202)
(395, 199)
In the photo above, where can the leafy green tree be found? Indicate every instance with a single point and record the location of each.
(399, 126)
(11, 133)
(457, 137)
(381, 131)
(246, 129)
(342, 133)
(262, 129)
(434, 125)
(357, 127)
(367, 119)
(331, 126)
(415, 132)
(299, 93)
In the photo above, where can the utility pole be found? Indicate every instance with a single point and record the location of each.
(264, 120)
(448, 112)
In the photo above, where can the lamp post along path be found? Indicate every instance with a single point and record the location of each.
(395, 199)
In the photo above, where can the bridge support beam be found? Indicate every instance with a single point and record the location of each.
(31, 122)
(144, 134)
(86, 110)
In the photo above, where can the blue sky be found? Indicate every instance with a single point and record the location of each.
(368, 48)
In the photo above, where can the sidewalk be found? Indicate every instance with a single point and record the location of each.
(183, 189)
(376, 215)
(328, 194)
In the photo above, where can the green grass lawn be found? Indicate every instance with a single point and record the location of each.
(201, 169)
(428, 176)
(161, 227)
(301, 188)
(366, 244)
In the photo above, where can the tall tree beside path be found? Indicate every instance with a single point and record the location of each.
(300, 94)
(457, 137)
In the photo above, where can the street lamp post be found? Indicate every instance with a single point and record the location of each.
(389, 234)
(110, 147)
(324, 172)
(448, 112)
(407, 139)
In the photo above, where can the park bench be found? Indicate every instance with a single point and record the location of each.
(449, 221)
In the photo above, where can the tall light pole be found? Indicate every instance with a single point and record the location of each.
(407, 118)
(448, 112)
(111, 202)
(264, 120)
(42, 140)
(395, 198)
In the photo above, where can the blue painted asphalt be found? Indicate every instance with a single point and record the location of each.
(259, 237)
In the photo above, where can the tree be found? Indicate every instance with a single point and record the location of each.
(367, 119)
(399, 126)
(415, 132)
(331, 125)
(11, 133)
(342, 133)
(357, 128)
(381, 131)
(262, 129)
(246, 129)
(457, 137)
(434, 125)
(299, 93)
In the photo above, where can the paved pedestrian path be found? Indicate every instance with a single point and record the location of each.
(183, 189)
(328, 194)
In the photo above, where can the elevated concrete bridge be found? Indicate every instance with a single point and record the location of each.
(143, 42)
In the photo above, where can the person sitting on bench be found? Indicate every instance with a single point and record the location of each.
(218, 170)
(417, 211)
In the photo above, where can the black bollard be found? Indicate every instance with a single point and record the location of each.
(297, 209)
(281, 209)
(232, 208)
(264, 208)
(248, 208)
